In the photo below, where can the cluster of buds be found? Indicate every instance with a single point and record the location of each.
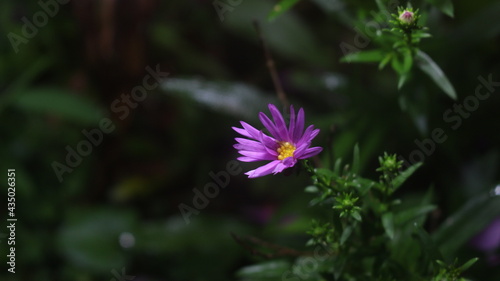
(346, 204)
(389, 164)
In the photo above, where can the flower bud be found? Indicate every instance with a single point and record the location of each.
(406, 17)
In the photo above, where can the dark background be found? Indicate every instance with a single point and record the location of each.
(118, 208)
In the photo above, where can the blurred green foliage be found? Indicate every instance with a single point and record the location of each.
(118, 209)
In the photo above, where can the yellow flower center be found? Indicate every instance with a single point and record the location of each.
(285, 150)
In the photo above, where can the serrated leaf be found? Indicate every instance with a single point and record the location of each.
(281, 7)
(364, 56)
(429, 67)
(401, 178)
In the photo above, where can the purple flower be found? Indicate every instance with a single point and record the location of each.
(282, 148)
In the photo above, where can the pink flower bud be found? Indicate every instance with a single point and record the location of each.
(406, 17)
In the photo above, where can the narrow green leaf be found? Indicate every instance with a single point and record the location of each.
(380, 5)
(311, 189)
(429, 67)
(364, 56)
(468, 264)
(356, 216)
(24, 79)
(446, 6)
(345, 234)
(61, 103)
(336, 169)
(267, 269)
(460, 227)
(401, 178)
(388, 223)
(413, 214)
(402, 80)
(385, 61)
(355, 160)
(363, 185)
(397, 65)
(407, 61)
(430, 251)
(280, 8)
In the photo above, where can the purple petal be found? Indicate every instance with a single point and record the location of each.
(310, 152)
(286, 163)
(242, 132)
(299, 126)
(244, 144)
(299, 151)
(252, 132)
(263, 170)
(291, 127)
(309, 134)
(249, 148)
(247, 159)
(280, 123)
(268, 141)
(269, 125)
(261, 155)
(289, 162)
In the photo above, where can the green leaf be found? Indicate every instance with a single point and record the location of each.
(388, 223)
(460, 227)
(356, 216)
(346, 233)
(446, 6)
(430, 251)
(278, 34)
(468, 264)
(336, 169)
(362, 185)
(61, 103)
(364, 56)
(88, 237)
(401, 178)
(413, 213)
(232, 98)
(402, 80)
(429, 67)
(24, 79)
(355, 160)
(407, 61)
(266, 270)
(385, 61)
(280, 8)
(311, 189)
(397, 65)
